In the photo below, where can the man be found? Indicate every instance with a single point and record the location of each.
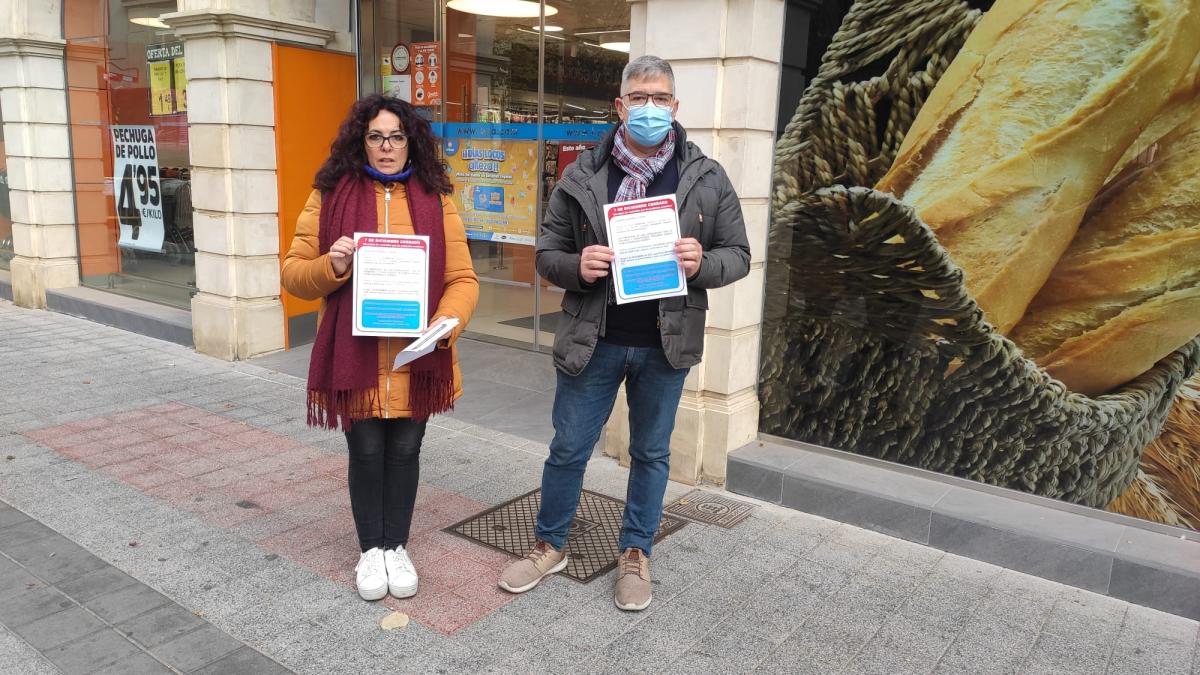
(648, 345)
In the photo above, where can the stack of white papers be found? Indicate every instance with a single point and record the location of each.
(426, 343)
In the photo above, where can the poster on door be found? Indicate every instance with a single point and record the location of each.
(494, 171)
(393, 72)
(426, 74)
(137, 190)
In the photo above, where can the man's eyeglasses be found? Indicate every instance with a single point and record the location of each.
(398, 141)
(637, 99)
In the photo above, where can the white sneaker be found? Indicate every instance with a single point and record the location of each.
(371, 575)
(401, 575)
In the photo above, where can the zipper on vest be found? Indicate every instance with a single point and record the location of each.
(387, 224)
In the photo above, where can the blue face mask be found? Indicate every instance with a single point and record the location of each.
(649, 124)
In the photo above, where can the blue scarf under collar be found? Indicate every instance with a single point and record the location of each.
(390, 177)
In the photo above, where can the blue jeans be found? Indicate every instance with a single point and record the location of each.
(582, 405)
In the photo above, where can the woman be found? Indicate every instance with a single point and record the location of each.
(383, 175)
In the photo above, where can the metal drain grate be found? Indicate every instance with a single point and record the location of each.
(706, 507)
(592, 542)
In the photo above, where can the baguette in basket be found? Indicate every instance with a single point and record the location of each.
(1021, 132)
(1127, 291)
(1178, 108)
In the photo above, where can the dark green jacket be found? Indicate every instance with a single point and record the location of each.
(574, 220)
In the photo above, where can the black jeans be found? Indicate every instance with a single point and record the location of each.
(384, 471)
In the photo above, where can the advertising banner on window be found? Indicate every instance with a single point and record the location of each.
(180, 85)
(558, 156)
(494, 171)
(168, 81)
(138, 190)
(162, 94)
(426, 73)
(989, 293)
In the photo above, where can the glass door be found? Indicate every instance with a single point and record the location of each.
(508, 127)
(586, 47)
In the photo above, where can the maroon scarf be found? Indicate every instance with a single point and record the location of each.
(343, 375)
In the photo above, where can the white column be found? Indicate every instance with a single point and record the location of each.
(37, 141)
(236, 312)
(725, 54)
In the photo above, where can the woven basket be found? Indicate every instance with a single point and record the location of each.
(871, 342)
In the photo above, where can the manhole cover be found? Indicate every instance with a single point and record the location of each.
(579, 526)
(706, 507)
(591, 541)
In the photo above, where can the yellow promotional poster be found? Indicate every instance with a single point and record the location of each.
(168, 79)
(162, 95)
(180, 86)
(495, 181)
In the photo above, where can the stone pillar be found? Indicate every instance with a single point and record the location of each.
(37, 141)
(725, 54)
(236, 312)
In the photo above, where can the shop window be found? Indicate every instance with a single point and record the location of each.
(477, 79)
(583, 63)
(6, 237)
(127, 85)
(876, 341)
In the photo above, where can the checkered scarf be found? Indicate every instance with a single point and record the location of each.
(639, 171)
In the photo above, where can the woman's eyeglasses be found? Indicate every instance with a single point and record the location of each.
(398, 141)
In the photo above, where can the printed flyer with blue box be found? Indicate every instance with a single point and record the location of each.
(642, 234)
(391, 284)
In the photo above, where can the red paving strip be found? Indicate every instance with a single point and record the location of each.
(293, 501)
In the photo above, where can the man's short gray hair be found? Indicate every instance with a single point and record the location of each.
(645, 67)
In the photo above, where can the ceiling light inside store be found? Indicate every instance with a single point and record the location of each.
(550, 28)
(601, 32)
(514, 9)
(150, 21)
(616, 46)
(572, 105)
(465, 36)
(534, 32)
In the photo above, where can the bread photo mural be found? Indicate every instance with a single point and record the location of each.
(985, 248)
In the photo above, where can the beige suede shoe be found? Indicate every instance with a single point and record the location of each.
(541, 561)
(633, 581)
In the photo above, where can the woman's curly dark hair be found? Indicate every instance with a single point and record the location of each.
(347, 152)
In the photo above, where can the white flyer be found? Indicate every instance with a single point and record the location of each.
(424, 344)
(642, 234)
(137, 187)
(398, 86)
(391, 284)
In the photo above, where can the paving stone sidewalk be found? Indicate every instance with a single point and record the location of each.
(195, 485)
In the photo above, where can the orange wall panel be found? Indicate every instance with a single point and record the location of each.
(87, 106)
(84, 18)
(97, 231)
(313, 92)
(87, 142)
(86, 53)
(459, 92)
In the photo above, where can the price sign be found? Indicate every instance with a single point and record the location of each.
(138, 191)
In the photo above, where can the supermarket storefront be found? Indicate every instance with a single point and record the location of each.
(162, 156)
(481, 72)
